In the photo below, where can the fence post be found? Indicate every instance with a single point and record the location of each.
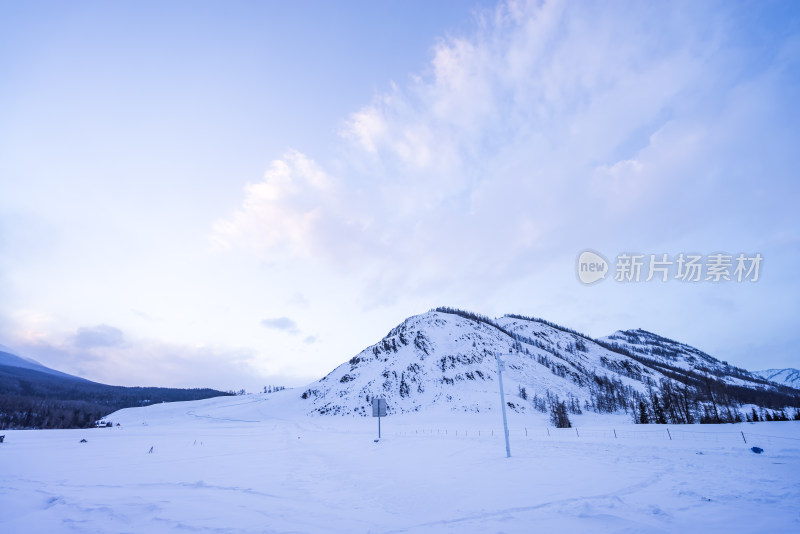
(670, 435)
(576, 431)
(615, 433)
(745, 441)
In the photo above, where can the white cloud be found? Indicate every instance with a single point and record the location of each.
(554, 126)
(102, 354)
(281, 323)
(98, 336)
(284, 211)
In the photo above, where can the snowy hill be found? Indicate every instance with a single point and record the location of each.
(445, 359)
(788, 377)
(665, 353)
(12, 360)
(258, 462)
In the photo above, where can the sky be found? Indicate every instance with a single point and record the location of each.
(237, 194)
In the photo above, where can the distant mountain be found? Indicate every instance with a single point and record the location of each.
(674, 357)
(445, 359)
(11, 360)
(788, 377)
(35, 396)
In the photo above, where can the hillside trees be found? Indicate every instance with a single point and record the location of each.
(558, 415)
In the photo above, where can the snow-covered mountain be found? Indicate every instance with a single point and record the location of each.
(446, 358)
(8, 359)
(788, 377)
(666, 354)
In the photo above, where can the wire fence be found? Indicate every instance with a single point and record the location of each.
(575, 433)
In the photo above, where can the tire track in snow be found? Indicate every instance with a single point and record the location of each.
(615, 496)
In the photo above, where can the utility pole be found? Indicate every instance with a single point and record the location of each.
(500, 366)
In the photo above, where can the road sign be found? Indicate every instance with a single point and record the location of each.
(378, 407)
(378, 410)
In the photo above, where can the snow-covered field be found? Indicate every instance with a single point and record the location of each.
(258, 464)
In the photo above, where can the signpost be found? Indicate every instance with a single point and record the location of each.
(378, 410)
(500, 366)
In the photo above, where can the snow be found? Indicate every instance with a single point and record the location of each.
(258, 463)
(446, 359)
(12, 360)
(443, 358)
(787, 377)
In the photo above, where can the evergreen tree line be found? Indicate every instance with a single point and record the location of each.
(18, 412)
(684, 396)
(32, 399)
(707, 385)
(551, 325)
(474, 317)
(753, 416)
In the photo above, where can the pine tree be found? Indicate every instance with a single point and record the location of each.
(644, 419)
(661, 418)
(755, 416)
(558, 415)
(404, 389)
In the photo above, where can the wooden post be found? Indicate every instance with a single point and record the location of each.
(615, 433)
(576, 432)
(745, 441)
(670, 435)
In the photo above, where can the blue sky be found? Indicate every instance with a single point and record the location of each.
(234, 194)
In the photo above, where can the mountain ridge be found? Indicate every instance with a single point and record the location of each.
(788, 376)
(35, 396)
(445, 358)
(8, 359)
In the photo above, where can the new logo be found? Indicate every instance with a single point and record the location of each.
(592, 267)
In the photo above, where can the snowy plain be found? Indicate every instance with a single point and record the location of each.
(258, 463)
